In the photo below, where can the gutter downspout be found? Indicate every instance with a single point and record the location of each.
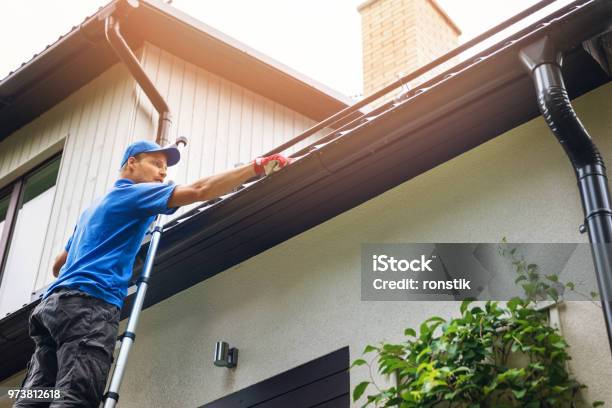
(543, 61)
(125, 54)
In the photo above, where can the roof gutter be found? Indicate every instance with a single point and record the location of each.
(338, 153)
(543, 61)
(112, 30)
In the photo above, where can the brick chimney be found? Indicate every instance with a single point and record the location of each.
(400, 36)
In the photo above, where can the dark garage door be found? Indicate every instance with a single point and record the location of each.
(321, 383)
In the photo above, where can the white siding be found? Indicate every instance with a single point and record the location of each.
(225, 123)
(98, 117)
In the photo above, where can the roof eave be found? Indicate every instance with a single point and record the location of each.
(82, 54)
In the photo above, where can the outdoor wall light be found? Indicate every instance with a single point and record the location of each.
(225, 356)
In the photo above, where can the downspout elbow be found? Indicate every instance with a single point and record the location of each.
(125, 54)
(543, 62)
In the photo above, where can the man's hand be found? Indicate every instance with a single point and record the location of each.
(270, 164)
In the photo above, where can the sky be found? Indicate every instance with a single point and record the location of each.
(319, 38)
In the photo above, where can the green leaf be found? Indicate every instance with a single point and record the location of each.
(530, 289)
(489, 389)
(464, 305)
(561, 344)
(369, 349)
(570, 285)
(358, 362)
(552, 292)
(513, 303)
(424, 353)
(598, 403)
(410, 332)
(424, 330)
(359, 390)
(519, 393)
(430, 385)
(371, 399)
(435, 319)
(552, 278)
(520, 278)
(594, 295)
(510, 374)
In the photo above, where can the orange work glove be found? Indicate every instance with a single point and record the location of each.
(270, 164)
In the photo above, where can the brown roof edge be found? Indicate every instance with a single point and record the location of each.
(181, 17)
(44, 81)
(85, 31)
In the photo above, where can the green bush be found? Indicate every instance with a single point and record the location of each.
(490, 356)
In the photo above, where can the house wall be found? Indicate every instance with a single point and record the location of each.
(226, 124)
(301, 299)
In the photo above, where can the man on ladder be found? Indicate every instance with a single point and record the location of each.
(75, 325)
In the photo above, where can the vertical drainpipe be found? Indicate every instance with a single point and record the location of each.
(543, 61)
(125, 54)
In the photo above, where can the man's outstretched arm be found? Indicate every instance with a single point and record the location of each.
(216, 185)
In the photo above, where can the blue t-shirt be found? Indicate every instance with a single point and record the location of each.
(103, 246)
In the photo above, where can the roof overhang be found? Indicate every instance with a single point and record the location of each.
(433, 126)
(81, 55)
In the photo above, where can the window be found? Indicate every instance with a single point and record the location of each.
(4, 204)
(25, 209)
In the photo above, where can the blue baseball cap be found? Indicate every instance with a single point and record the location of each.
(146, 146)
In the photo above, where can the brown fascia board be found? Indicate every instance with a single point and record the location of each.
(83, 54)
(53, 74)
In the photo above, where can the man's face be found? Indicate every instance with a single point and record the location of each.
(147, 168)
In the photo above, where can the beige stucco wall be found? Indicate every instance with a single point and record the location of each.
(301, 299)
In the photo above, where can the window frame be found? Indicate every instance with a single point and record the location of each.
(15, 189)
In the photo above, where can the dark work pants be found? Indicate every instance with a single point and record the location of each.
(75, 336)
